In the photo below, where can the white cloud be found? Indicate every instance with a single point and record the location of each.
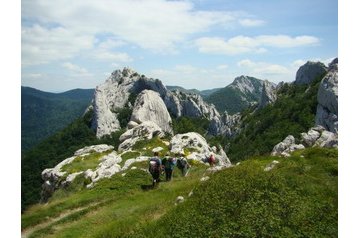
(157, 25)
(75, 68)
(244, 44)
(251, 22)
(263, 68)
(222, 66)
(41, 45)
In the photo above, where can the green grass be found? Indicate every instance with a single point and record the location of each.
(80, 163)
(149, 145)
(128, 203)
(298, 198)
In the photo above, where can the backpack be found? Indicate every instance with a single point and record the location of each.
(211, 159)
(154, 165)
(181, 163)
(170, 163)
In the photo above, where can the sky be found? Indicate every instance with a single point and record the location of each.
(200, 44)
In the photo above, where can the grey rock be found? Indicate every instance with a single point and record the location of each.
(268, 95)
(309, 71)
(310, 138)
(149, 106)
(201, 150)
(93, 148)
(146, 130)
(327, 139)
(271, 165)
(327, 97)
(203, 179)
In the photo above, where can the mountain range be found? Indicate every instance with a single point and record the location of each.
(44, 113)
(276, 162)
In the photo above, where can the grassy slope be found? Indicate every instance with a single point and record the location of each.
(298, 198)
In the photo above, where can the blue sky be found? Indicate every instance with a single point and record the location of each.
(195, 44)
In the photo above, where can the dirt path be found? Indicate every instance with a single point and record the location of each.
(28, 231)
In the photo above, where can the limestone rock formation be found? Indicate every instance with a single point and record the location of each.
(327, 108)
(316, 136)
(199, 148)
(309, 71)
(268, 95)
(122, 86)
(149, 106)
(147, 130)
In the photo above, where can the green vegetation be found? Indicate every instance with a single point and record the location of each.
(82, 163)
(292, 113)
(145, 147)
(129, 155)
(233, 100)
(298, 198)
(53, 150)
(118, 202)
(189, 124)
(43, 114)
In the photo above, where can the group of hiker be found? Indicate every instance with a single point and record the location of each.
(168, 163)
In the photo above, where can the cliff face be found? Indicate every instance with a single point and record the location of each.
(114, 94)
(327, 108)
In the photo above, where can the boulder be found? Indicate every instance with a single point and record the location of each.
(149, 106)
(310, 138)
(309, 72)
(282, 146)
(327, 139)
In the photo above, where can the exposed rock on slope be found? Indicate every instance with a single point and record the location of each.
(101, 161)
(149, 106)
(114, 95)
(309, 71)
(316, 136)
(199, 148)
(327, 109)
(268, 95)
(244, 91)
(147, 130)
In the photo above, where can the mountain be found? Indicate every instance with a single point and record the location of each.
(203, 93)
(44, 113)
(181, 89)
(114, 101)
(251, 190)
(243, 92)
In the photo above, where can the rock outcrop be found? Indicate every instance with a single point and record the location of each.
(268, 95)
(145, 131)
(198, 147)
(149, 106)
(115, 94)
(57, 177)
(316, 136)
(309, 72)
(327, 108)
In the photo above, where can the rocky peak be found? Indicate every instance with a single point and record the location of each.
(309, 72)
(113, 95)
(246, 84)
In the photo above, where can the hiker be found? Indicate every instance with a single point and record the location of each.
(169, 164)
(155, 168)
(211, 160)
(183, 165)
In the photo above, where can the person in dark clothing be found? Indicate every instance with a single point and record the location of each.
(183, 165)
(169, 164)
(155, 164)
